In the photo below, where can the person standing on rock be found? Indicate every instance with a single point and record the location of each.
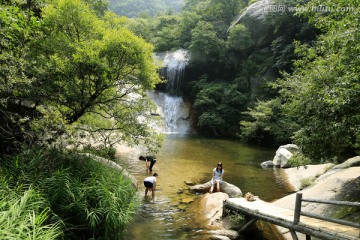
(149, 160)
(150, 184)
(218, 173)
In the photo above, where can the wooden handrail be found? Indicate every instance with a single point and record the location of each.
(298, 212)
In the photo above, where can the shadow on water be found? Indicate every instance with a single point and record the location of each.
(191, 159)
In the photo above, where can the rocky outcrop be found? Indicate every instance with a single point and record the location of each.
(283, 154)
(207, 210)
(207, 213)
(340, 182)
(305, 175)
(254, 19)
(228, 188)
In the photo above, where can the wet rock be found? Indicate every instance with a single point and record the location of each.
(228, 234)
(189, 183)
(228, 188)
(267, 164)
(180, 191)
(187, 200)
(201, 188)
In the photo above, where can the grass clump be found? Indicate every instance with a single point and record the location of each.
(92, 200)
(307, 182)
(26, 216)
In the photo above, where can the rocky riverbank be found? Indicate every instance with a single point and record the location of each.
(325, 182)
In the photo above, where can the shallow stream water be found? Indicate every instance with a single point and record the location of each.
(191, 159)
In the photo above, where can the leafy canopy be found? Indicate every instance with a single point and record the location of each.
(323, 92)
(80, 71)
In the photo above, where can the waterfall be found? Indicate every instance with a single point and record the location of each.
(174, 111)
(174, 65)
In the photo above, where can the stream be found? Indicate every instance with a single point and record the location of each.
(191, 159)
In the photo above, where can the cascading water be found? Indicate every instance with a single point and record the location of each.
(175, 112)
(174, 65)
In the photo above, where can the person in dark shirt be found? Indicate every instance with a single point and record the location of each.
(149, 160)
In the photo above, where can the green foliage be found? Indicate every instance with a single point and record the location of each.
(298, 159)
(266, 125)
(218, 105)
(166, 34)
(77, 68)
(239, 38)
(102, 151)
(289, 27)
(92, 200)
(323, 92)
(237, 218)
(25, 215)
(205, 44)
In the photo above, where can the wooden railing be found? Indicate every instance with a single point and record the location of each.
(298, 212)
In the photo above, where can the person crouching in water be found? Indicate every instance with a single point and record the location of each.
(217, 175)
(149, 161)
(150, 184)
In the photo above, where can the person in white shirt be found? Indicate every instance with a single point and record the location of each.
(217, 175)
(150, 184)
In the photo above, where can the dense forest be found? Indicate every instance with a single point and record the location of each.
(73, 72)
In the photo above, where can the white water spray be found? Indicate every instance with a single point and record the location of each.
(174, 111)
(174, 64)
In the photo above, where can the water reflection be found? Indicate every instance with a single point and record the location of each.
(191, 159)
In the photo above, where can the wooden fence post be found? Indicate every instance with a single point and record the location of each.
(297, 208)
(224, 209)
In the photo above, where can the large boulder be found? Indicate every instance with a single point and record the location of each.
(228, 188)
(254, 19)
(341, 184)
(282, 157)
(284, 153)
(351, 162)
(207, 210)
(298, 177)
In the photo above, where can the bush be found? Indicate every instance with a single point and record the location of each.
(106, 152)
(298, 160)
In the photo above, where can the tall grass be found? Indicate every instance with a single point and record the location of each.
(25, 216)
(92, 200)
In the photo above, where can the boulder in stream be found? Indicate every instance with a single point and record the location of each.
(228, 188)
